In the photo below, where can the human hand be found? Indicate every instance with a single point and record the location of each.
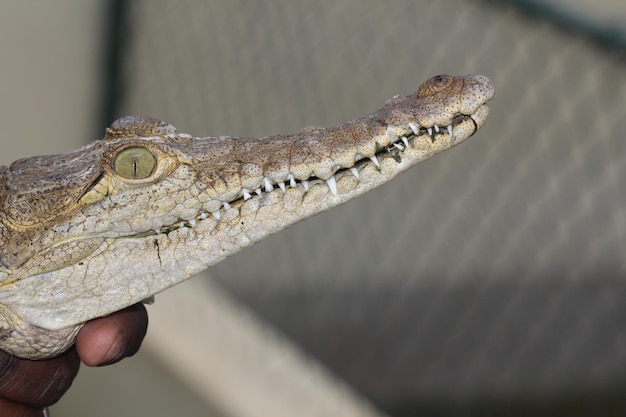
(27, 386)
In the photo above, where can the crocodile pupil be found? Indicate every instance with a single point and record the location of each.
(134, 163)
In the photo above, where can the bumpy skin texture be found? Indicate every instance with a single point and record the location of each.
(95, 230)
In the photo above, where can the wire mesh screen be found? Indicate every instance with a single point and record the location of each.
(488, 276)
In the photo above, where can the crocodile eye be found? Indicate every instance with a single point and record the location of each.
(134, 163)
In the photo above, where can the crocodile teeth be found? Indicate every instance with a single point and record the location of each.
(292, 181)
(474, 117)
(192, 222)
(399, 142)
(332, 184)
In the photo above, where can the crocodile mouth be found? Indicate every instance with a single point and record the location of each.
(389, 145)
(394, 149)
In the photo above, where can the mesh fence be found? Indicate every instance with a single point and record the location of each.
(489, 276)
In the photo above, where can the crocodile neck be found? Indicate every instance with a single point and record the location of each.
(92, 231)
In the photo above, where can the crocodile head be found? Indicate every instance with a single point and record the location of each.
(92, 231)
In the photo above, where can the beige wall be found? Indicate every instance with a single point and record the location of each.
(49, 75)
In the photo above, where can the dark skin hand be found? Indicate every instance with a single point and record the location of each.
(27, 386)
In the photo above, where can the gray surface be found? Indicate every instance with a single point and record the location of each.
(493, 271)
(138, 386)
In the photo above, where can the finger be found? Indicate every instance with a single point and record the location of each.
(37, 383)
(109, 339)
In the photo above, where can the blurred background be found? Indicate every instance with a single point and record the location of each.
(486, 281)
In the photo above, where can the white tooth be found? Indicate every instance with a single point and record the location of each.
(292, 181)
(156, 231)
(450, 130)
(258, 191)
(281, 185)
(246, 194)
(226, 206)
(375, 160)
(415, 128)
(332, 184)
(192, 222)
(203, 216)
(397, 145)
(181, 224)
(216, 214)
(474, 118)
(405, 141)
(355, 172)
(305, 184)
(436, 128)
(268, 185)
(430, 131)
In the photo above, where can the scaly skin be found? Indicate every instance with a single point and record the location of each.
(95, 230)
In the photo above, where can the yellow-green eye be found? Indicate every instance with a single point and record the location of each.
(135, 163)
